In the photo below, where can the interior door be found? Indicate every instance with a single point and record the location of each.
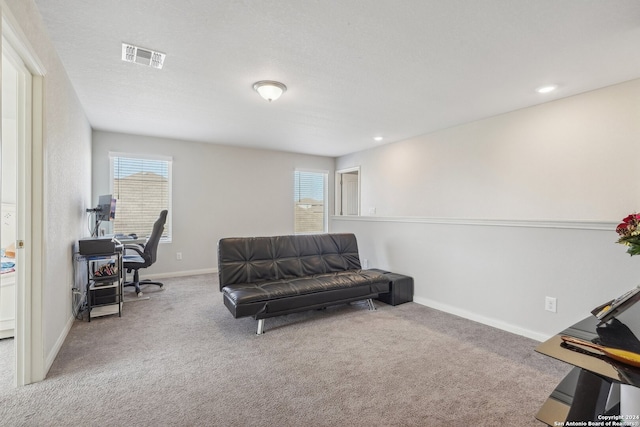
(350, 196)
(22, 102)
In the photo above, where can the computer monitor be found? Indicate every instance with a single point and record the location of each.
(106, 208)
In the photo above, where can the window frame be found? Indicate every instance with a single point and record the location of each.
(325, 199)
(152, 157)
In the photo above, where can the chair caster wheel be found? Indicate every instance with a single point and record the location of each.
(139, 294)
(161, 286)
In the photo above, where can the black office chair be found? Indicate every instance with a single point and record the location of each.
(145, 255)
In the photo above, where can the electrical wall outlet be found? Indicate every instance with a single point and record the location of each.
(550, 304)
(179, 256)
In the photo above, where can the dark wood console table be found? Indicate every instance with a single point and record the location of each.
(591, 391)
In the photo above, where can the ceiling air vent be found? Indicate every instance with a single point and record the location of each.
(142, 56)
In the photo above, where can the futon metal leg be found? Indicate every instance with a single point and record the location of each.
(260, 327)
(371, 305)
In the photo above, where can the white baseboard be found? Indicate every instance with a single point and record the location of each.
(481, 319)
(178, 274)
(7, 329)
(57, 346)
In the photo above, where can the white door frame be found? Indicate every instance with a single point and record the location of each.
(29, 334)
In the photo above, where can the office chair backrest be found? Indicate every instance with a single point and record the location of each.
(151, 247)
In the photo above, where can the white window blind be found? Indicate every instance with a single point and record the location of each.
(142, 189)
(310, 202)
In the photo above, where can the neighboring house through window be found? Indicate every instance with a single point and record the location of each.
(310, 202)
(141, 186)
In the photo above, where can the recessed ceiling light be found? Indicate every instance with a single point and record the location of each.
(546, 89)
(377, 138)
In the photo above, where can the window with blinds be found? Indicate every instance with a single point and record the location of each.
(142, 189)
(310, 202)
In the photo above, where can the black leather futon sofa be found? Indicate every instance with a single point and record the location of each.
(270, 276)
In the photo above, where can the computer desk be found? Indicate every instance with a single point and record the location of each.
(126, 240)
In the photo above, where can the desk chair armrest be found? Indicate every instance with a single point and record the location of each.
(134, 247)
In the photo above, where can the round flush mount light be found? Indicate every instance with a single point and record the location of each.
(547, 88)
(269, 89)
(377, 138)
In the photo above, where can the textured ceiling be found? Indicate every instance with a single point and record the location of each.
(354, 68)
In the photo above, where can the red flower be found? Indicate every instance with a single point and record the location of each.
(622, 228)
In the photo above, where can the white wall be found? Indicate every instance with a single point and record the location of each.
(218, 191)
(492, 216)
(67, 178)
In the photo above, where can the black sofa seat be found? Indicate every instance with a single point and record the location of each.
(270, 276)
(251, 299)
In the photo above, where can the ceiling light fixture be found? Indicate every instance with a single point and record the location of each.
(377, 138)
(546, 89)
(269, 89)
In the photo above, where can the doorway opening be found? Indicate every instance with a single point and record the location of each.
(348, 192)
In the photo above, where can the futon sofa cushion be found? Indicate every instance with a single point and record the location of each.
(274, 289)
(257, 259)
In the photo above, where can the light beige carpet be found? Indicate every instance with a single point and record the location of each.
(181, 359)
(7, 364)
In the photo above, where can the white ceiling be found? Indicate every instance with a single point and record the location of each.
(354, 68)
